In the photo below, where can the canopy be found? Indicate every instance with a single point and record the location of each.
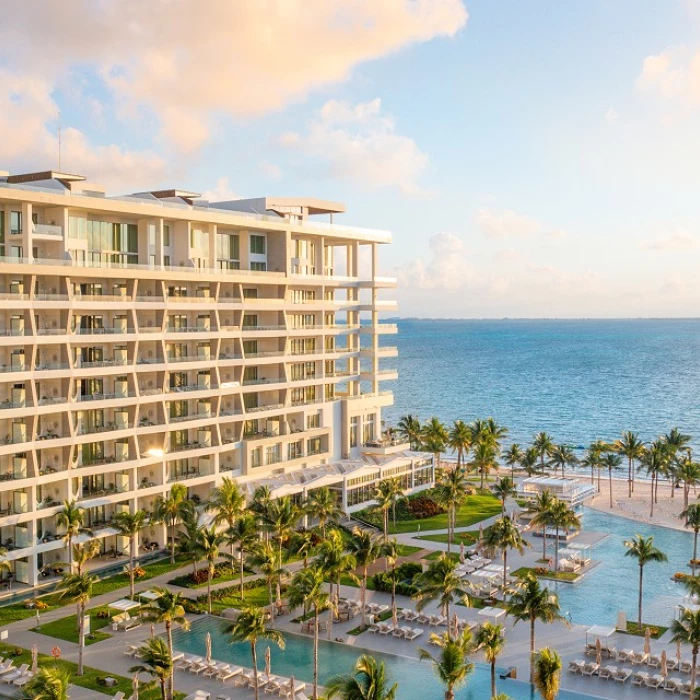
(149, 595)
(493, 613)
(124, 604)
(600, 631)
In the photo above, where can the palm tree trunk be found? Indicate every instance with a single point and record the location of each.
(695, 551)
(240, 551)
(132, 556)
(693, 671)
(651, 512)
(532, 649)
(629, 478)
(209, 573)
(315, 695)
(639, 612)
(556, 552)
(162, 688)
(169, 633)
(505, 569)
(363, 589)
(449, 528)
(598, 479)
(544, 542)
(610, 486)
(255, 666)
(271, 597)
(172, 540)
(81, 637)
(493, 679)
(686, 494)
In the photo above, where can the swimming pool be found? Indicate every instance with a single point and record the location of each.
(416, 679)
(613, 584)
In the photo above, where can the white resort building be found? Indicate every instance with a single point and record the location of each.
(157, 338)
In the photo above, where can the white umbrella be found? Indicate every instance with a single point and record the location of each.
(135, 687)
(455, 624)
(268, 662)
(598, 651)
(153, 630)
(679, 654)
(461, 552)
(208, 646)
(35, 658)
(292, 689)
(664, 667)
(395, 617)
(647, 641)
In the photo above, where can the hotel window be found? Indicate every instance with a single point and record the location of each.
(313, 421)
(178, 409)
(272, 454)
(250, 293)
(257, 245)
(178, 379)
(368, 429)
(258, 266)
(152, 235)
(166, 236)
(295, 450)
(167, 261)
(303, 346)
(178, 351)
(177, 321)
(2, 232)
(250, 347)
(329, 392)
(250, 401)
(250, 374)
(313, 446)
(354, 430)
(15, 222)
(77, 227)
(228, 251)
(177, 291)
(178, 438)
(250, 321)
(256, 457)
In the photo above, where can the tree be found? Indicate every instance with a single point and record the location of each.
(688, 472)
(512, 457)
(592, 460)
(78, 589)
(265, 557)
(547, 673)
(504, 488)
(410, 430)
(451, 491)
(169, 509)
(434, 439)
(228, 503)
(530, 602)
(484, 455)
(504, 535)
(491, 639)
(364, 546)
(611, 461)
(323, 504)
(544, 445)
(562, 456)
(83, 553)
(384, 495)
(157, 662)
(440, 582)
(250, 627)
(686, 630)
(451, 665)
(188, 537)
(644, 551)
(630, 446)
(655, 461)
(244, 535)
(168, 609)
(129, 525)
(368, 682)
(390, 550)
(303, 544)
(335, 559)
(542, 509)
(460, 440)
(71, 517)
(306, 589)
(692, 520)
(50, 683)
(529, 461)
(210, 542)
(279, 519)
(562, 517)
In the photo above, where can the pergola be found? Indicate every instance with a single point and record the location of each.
(599, 632)
(492, 613)
(124, 605)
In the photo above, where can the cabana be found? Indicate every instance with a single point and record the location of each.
(599, 632)
(492, 613)
(122, 621)
(124, 605)
(149, 596)
(583, 551)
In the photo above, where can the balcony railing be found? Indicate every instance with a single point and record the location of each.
(48, 230)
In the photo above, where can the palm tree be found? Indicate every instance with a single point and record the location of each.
(688, 472)
(157, 662)
(530, 602)
(306, 589)
(71, 517)
(167, 608)
(434, 438)
(78, 589)
(529, 460)
(630, 446)
(562, 456)
(440, 582)
(335, 559)
(390, 550)
(686, 630)
(364, 546)
(83, 553)
(504, 488)
(611, 461)
(129, 525)
(562, 517)
(265, 557)
(504, 535)
(228, 503)
(460, 440)
(451, 665)
(243, 534)
(484, 455)
(280, 518)
(542, 507)
(544, 445)
(4, 563)
(384, 495)
(50, 683)
(451, 491)
(368, 682)
(655, 460)
(692, 520)
(323, 504)
(491, 639)
(410, 430)
(303, 544)
(548, 673)
(169, 509)
(512, 457)
(644, 551)
(250, 627)
(188, 537)
(677, 441)
(210, 542)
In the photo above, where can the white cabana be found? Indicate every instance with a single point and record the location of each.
(124, 605)
(599, 632)
(492, 613)
(149, 595)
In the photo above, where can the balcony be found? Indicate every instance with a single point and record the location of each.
(257, 329)
(184, 476)
(47, 230)
(385, 447)
(120, 330)
(263, 380)
(259, 409)
(52, 401)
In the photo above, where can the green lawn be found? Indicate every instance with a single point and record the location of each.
(634, 629)
(567, 576)
(258, 596)
(434, 556)
(405, 550)
(88, 679)
(467, 538)
(66, 628)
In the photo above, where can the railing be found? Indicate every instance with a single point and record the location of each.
(145, 297)
(102, 331)
(4, 405)
(189, 329)
(51, 331)
(45, 401)
(46, 296)
(150, 360)
(232, 356)
(189, 387)
(102, 363)
(255, 329)
(272, 353)
(48, 230)
(258, 409)
(187, 475)
(263, 380)
(102, 397)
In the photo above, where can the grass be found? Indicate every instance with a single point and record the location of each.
(258, 596)
(565, 576)
(88, 680)
(406, 550)
(466, 538)
(66, 628)
(634, 629)
(434, 556)
(355, 631)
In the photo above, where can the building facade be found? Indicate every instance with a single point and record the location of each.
(155, 338)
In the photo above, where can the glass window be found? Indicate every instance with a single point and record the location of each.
(354, 430)
(258, 266)
(15, 222)
(257, 245)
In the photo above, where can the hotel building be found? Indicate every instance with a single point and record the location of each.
(157, 338)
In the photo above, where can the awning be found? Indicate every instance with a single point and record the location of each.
(492, 613)
(600, 631)
(124, 604)
(150, 595)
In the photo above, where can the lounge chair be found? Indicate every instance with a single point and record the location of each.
(374, 628)
(274, 685)
(654, 661)
(625, 654)
(19, 682)
(212, 671)
(639, 658)
(685, 666)
(640, 678)
(673, 685)
(385, 629)
(199, 695)
(607, 672)
(655, 681)
(671, 664)
(622, 675)
(119, 696)
(131, 651)
(437, 620)
(685, 688)
(576, 666)
(14, 675)
(198, 667)
(413, 634)
(590, 669)
(7, 668)
(229, 672)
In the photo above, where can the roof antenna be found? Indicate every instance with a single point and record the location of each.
(59, 140)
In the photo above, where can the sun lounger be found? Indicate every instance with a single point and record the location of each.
(625, 654)
(385, 629)
(639, 658)
(673, 685)
(273, 685)
(198, 667)
(685, 688)
(671, 664)
(22, 680)
(131, 650)
(199, 695)
(654, 661)
(437, 620)
(6, 669)
(177, 655)
(212, 671)
(607, 672)
(640, 678)
(21, 671)
(654, 681)
(622, 675)
(119, 696)
(228, 671)
(576, 666)
(590, 669)
(413, 634)
(685, 666)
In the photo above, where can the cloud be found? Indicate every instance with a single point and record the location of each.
(508, 224)
(611, 116)
(186, 64)
(673, 74)
(680, 239)
(221, 192)
(270, 170)
(359, 142)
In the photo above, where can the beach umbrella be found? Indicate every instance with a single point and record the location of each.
(153, 630)
(35, 658)
(135, 687)
(679, 654)
(664, 666)
(208, 646)
(461, 552)
(647, 641)
(292, 689)
(268, 662)
(455, 624)
(395, 617)
(598, 651)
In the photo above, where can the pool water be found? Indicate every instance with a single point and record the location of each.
(613, 585)
(416, 679)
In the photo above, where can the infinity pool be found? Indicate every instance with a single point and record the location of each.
(613, 585)
(416, 679)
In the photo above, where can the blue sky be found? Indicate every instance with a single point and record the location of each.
(532, 158)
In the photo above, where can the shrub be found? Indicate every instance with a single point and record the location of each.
(408, 570)
(424, 506)
(680, 576)
(139, 572)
